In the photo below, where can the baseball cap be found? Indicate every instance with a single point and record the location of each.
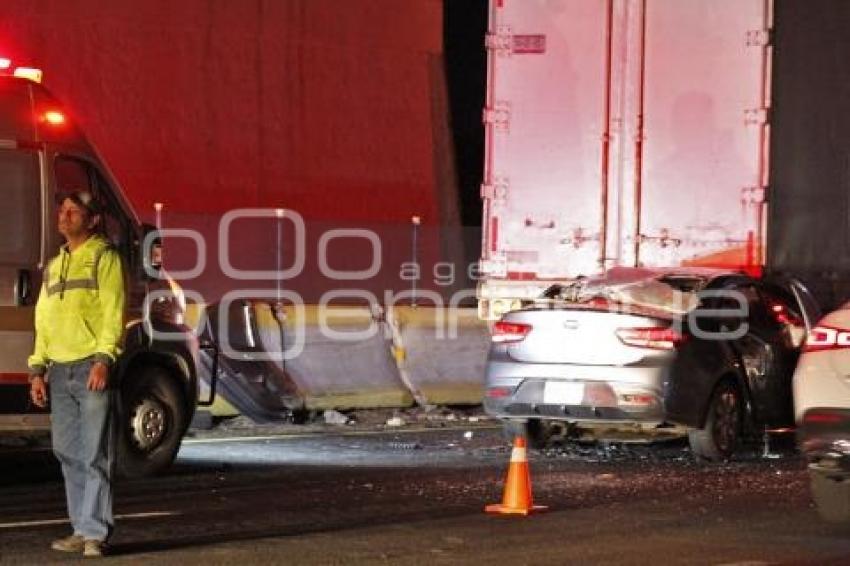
(83, 198)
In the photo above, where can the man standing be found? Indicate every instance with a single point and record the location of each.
(79, 321)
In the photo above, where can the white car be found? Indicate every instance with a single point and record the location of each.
(821, 387)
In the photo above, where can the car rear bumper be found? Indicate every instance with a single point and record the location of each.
(576, 393)
(824, 438)
(831, 464)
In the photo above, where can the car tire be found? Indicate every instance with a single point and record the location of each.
(831, 495)
(152, 419)
(719, 436)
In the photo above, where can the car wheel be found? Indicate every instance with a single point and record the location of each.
(152, 419)
(831, 495)
(718, 438)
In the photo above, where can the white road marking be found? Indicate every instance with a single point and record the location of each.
(48, 522)
(321, 434)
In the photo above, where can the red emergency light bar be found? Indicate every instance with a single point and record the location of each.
(32, 73)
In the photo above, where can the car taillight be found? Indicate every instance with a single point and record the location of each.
(499, 392)
(637, 399)
(655, 338)
(782, 315)
(825, 417)
(825, 338)
(507, 332)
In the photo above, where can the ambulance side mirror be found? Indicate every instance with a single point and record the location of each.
(151, 251)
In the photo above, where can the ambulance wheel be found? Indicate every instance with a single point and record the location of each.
(152, 420)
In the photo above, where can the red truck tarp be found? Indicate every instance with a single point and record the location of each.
(336, 109)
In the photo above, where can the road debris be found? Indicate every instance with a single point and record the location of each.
(396, 421)
(333, 417)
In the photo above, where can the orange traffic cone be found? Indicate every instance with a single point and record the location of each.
(517, 498)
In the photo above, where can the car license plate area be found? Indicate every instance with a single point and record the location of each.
(563, 392)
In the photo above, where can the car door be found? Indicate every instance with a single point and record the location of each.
(770, 350)
(20, 278)
(791, 311)
(762, 356)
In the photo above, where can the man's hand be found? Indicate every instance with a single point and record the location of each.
(98, 377)
(38, 391)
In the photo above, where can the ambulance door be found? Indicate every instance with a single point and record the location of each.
(20, 275)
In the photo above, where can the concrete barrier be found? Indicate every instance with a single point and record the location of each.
(348, 357)
(344, 358)
(441, 352)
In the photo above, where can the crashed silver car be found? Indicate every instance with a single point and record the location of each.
(706, 353)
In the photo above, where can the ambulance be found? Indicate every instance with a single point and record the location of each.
(42, 153)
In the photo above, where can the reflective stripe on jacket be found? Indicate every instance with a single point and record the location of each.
(80, 309)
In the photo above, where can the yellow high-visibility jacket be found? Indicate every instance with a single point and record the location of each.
(80, 309)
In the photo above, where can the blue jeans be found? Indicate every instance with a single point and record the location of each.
(84, 445)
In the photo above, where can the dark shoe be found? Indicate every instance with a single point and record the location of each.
(94, 549)
(73, 543)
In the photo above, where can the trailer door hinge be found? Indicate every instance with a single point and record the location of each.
(500, 42)
(753, 195)
(497, 190)
(756, 116)
(759, 38)
(498, 115)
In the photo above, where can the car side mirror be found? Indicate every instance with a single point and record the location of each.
(151, 251)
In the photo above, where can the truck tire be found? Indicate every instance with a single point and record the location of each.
(831, 494)
(718, 438)
(152, 419)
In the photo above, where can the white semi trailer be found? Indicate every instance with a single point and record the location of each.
(641, 133)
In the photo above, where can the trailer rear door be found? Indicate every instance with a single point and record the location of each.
(704, 132)
(545, 122)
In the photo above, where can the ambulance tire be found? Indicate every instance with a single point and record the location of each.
(152, 420)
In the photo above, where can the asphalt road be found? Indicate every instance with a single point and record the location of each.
(408, 497)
